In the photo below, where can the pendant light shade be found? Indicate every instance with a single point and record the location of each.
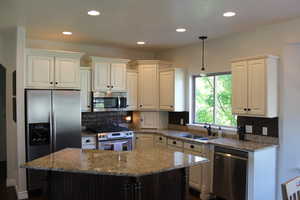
(202, 73)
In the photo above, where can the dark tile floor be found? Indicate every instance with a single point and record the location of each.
(10, 193)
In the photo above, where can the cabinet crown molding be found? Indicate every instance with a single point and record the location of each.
(143, 62)
(255, 58)
(109, 60)
(56, 53)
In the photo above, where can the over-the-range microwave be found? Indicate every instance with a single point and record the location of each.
(115, 101)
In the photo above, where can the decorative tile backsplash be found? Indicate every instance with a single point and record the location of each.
(175, 117)
(101, 118)
(258, 123)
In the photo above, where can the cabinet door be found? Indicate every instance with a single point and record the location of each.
(166, 90)
(101, 75)
(148, 87)
(85, 90)
(149, 119)
(40, 72)
(144, 141)
(239, 87)
(132, 90)
(195, 173)
(256, 87)
(118, 76)
(67, 73)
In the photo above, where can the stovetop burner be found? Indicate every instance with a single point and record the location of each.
(107, 128)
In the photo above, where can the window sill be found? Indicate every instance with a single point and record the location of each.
(225, 129)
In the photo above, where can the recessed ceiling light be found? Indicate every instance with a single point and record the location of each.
(180, 30)
(67, 33)
(93, 13)
(141, 42)
(229, 14)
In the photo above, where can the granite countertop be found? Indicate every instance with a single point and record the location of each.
(224, 142)
(138, 162)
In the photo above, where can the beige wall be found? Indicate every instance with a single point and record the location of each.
(9, 61)
(2, 130)
(91, 50)
(270, 39)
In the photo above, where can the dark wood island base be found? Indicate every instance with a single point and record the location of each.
(79, 186)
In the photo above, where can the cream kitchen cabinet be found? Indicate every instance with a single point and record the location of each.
(148, 81)
(153, 120)
(172, 89)
(47, 69)
(109, 74)
(255, 86)
(132, 89)
(85, 88)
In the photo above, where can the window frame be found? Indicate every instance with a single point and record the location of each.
(214, 91)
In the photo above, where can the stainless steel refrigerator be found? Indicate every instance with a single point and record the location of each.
(53, 122)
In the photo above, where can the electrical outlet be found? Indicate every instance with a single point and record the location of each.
(248, 128)
(265, 131)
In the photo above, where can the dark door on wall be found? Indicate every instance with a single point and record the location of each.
(2, 113)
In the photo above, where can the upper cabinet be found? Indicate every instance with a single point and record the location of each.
(46, 69)
(172, 89)
(85, 88)
(148, 82)
(255, 86)
(132, 89)
(109, 74)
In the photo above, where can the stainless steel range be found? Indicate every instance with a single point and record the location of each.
(114, 138)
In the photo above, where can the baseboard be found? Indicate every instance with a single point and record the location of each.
(10, 182)
(22, 195)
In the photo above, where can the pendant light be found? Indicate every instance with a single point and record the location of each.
(202, 73)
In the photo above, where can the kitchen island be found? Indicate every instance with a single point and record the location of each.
(142, 174)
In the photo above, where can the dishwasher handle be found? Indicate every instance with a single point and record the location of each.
(230, 156)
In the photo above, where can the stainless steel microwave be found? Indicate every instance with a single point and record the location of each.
(116, 101)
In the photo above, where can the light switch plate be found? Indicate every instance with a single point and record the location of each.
(265, 131)
(248, 128)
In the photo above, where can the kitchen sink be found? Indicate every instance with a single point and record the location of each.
(195, 137)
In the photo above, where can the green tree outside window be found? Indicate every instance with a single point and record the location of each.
(213, 100)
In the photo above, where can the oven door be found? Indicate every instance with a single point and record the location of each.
(116, 145)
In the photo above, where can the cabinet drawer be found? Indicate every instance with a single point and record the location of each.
(193, 147)
(144, 137)
(174, 142)
(160, 139)
(175, 148)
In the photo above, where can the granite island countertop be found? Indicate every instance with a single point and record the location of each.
(242, 145)
(139, 162)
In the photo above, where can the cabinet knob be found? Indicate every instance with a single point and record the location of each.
(107, 86)
(245, 109)
(171, 106)
(51, 83)
(112, 86)
(160, 138)
(141, 105)
(174, 142)
(192, 146)
(249, 109)
(56, 83)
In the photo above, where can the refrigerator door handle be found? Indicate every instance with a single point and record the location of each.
(51, 131)
(54, 133)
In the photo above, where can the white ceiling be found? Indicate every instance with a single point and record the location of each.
(123, 22)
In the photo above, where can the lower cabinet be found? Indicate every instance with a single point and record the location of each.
(144, 141)
(195, 173)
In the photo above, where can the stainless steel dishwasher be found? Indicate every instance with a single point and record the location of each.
(230, 174)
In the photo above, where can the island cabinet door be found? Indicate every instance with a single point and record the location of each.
(170, 185)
